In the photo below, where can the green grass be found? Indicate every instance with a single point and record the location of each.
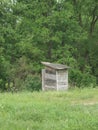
(72, 110)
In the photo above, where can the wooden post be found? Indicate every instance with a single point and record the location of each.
(43, 79)
(56, 81)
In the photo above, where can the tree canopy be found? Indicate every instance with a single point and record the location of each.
(59, 31)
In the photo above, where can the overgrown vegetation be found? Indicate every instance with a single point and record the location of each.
(71, 110)
(63, 31)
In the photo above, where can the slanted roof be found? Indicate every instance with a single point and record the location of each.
(55, 66)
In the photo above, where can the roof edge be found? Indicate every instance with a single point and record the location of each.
(55, 66)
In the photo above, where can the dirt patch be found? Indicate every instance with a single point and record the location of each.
(90, 103)
(85, 103)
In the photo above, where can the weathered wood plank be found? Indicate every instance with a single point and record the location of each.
(50, 71)
(63, 87)
(50, 87)
(43, 79)
(50, 76)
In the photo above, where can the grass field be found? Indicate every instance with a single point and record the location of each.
(72, 110)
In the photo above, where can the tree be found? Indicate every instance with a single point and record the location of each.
(55, 31)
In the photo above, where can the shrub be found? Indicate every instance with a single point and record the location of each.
(33, 83)
(79, 79)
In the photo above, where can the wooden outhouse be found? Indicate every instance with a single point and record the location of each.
(54, 76)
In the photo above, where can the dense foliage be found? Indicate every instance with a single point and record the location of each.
(59, 31)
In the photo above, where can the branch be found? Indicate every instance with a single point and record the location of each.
(94, 20)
